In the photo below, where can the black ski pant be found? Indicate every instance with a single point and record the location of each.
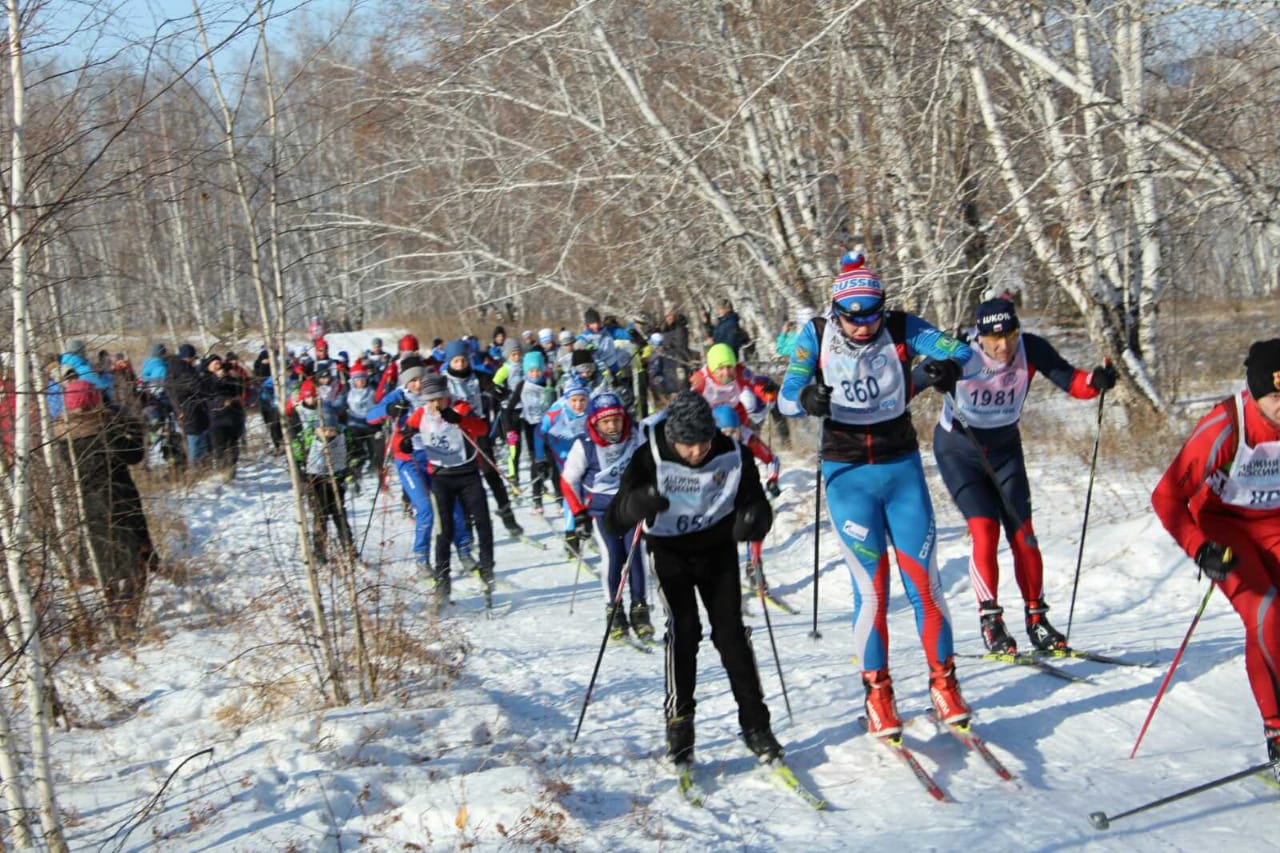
(713, 576)
(327, 496)
(492, 476)
(449, 488)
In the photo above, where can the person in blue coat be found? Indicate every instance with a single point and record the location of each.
(852, 368)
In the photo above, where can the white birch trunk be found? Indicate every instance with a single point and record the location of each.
(24, 388)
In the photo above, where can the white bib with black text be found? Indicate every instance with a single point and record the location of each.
(867, 382)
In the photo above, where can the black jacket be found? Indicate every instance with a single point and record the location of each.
(188, 389)
(622, 516)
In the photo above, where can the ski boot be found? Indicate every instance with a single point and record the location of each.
(469, 563)
(945, 693)
(442, 589)
(1271, 731)
(882, 710)
(618, 627)
(488, 581)
(680, 739)
(572, 547)
(640, 620)
(763, 744)
(1043, 635)
(994, 634)
(509, 521)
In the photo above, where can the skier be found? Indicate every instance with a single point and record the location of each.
(465, 385)
(697, 492)
(989, 396)
(858, 356)
(528, 402)
(563, 423)
(412, 464)
(447, 432)
(590, 480)
(1220, 499)
(725, 382)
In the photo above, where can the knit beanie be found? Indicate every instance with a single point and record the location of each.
(721, 355)
(580, 356)
(1263, 368)
(689, 419)
(590, 316)
(455, 348)
(997, 317)
(75, 346)
(533, 360)
(186, 351)
(509, 346)
(434, 386)
(410, 373)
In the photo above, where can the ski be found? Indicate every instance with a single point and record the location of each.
(770, 599)
(1268, 778)
(781, 774)
(1021, 659)
(524, 537)
(1081, 654)
(634, 642)
(687, 785)
(964, 733)
(894, 744)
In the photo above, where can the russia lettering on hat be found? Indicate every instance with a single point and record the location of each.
(857, 290)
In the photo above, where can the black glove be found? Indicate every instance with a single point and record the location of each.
(406, 440)
(647, 502)
(1215, 560)
(942, 374)
(769, 387)
(773, 488)
(753, 523)
(816, 400)
(398, 408)
(1103, 378)
(450, 416)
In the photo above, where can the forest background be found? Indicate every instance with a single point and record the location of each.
(223, 171)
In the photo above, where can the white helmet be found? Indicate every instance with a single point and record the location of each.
(655, 340)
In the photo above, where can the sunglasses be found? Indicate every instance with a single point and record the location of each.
(868, 318)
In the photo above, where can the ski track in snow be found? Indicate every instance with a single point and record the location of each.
(484, 761)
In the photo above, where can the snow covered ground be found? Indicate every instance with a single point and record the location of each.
(469, 745)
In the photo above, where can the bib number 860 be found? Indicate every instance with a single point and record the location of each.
(860, 390)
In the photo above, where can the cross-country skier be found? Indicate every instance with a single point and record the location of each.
(1220, 499)
(851, 367)
(697, 492)
(590, 480)
(989, 396)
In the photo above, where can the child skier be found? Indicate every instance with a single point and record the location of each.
(447, 433)
(590, 480)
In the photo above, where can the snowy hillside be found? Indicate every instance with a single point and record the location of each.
(470, 748)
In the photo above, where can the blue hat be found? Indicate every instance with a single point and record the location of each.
(186, 351)
(533, 360)
(726, 417)
(454, 349)
(576, 386)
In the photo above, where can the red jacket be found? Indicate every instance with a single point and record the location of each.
(1184, 491)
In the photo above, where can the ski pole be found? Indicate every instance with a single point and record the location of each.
(768, 624)
(1174, 665)
(487, 459)
(817, 533)
(382, 485)
(617, 602)
(1088, 499)
(1101, 820)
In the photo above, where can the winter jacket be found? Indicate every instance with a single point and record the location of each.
(188, 390)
